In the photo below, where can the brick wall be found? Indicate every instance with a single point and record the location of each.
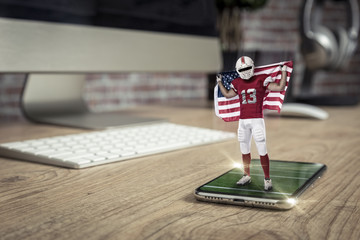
(110, 92)
(10, 91)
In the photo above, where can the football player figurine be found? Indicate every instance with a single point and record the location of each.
(251, 90)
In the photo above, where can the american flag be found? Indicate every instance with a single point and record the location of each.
(228, 109)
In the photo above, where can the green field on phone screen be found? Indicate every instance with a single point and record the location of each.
(287, 178)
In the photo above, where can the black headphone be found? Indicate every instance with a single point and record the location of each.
(321, 47)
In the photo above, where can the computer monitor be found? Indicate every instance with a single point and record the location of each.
(56, 55)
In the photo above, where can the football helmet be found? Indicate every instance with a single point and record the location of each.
(245, 67)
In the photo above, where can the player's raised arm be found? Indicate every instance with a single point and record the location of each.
(280, 86)
(227, 93)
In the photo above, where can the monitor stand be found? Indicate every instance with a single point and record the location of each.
(58, 99)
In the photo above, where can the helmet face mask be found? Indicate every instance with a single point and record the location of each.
(245, 67)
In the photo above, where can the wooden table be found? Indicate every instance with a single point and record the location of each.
(152, 197)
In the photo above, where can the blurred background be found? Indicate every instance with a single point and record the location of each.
(267, 30)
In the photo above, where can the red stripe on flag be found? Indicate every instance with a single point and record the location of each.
(271, 107)
(273, 99)
(229, 110)
(223, 103)
(258, 69)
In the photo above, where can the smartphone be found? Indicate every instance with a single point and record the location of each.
(289, 181)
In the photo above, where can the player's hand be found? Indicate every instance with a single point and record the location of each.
(218, 78)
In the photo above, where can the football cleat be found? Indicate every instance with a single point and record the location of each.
(246, 179)
(267, 185)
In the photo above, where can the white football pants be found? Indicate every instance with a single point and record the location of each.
(252, 127)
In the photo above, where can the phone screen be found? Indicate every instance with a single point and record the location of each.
(289, 179)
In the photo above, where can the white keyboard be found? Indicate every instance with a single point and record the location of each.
(100, 147)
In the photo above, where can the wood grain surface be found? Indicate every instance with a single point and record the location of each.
(152, 197)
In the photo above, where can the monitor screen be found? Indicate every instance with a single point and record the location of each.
(196, 17)
(108, 36)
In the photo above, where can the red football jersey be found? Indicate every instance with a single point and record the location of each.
(251, 93)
